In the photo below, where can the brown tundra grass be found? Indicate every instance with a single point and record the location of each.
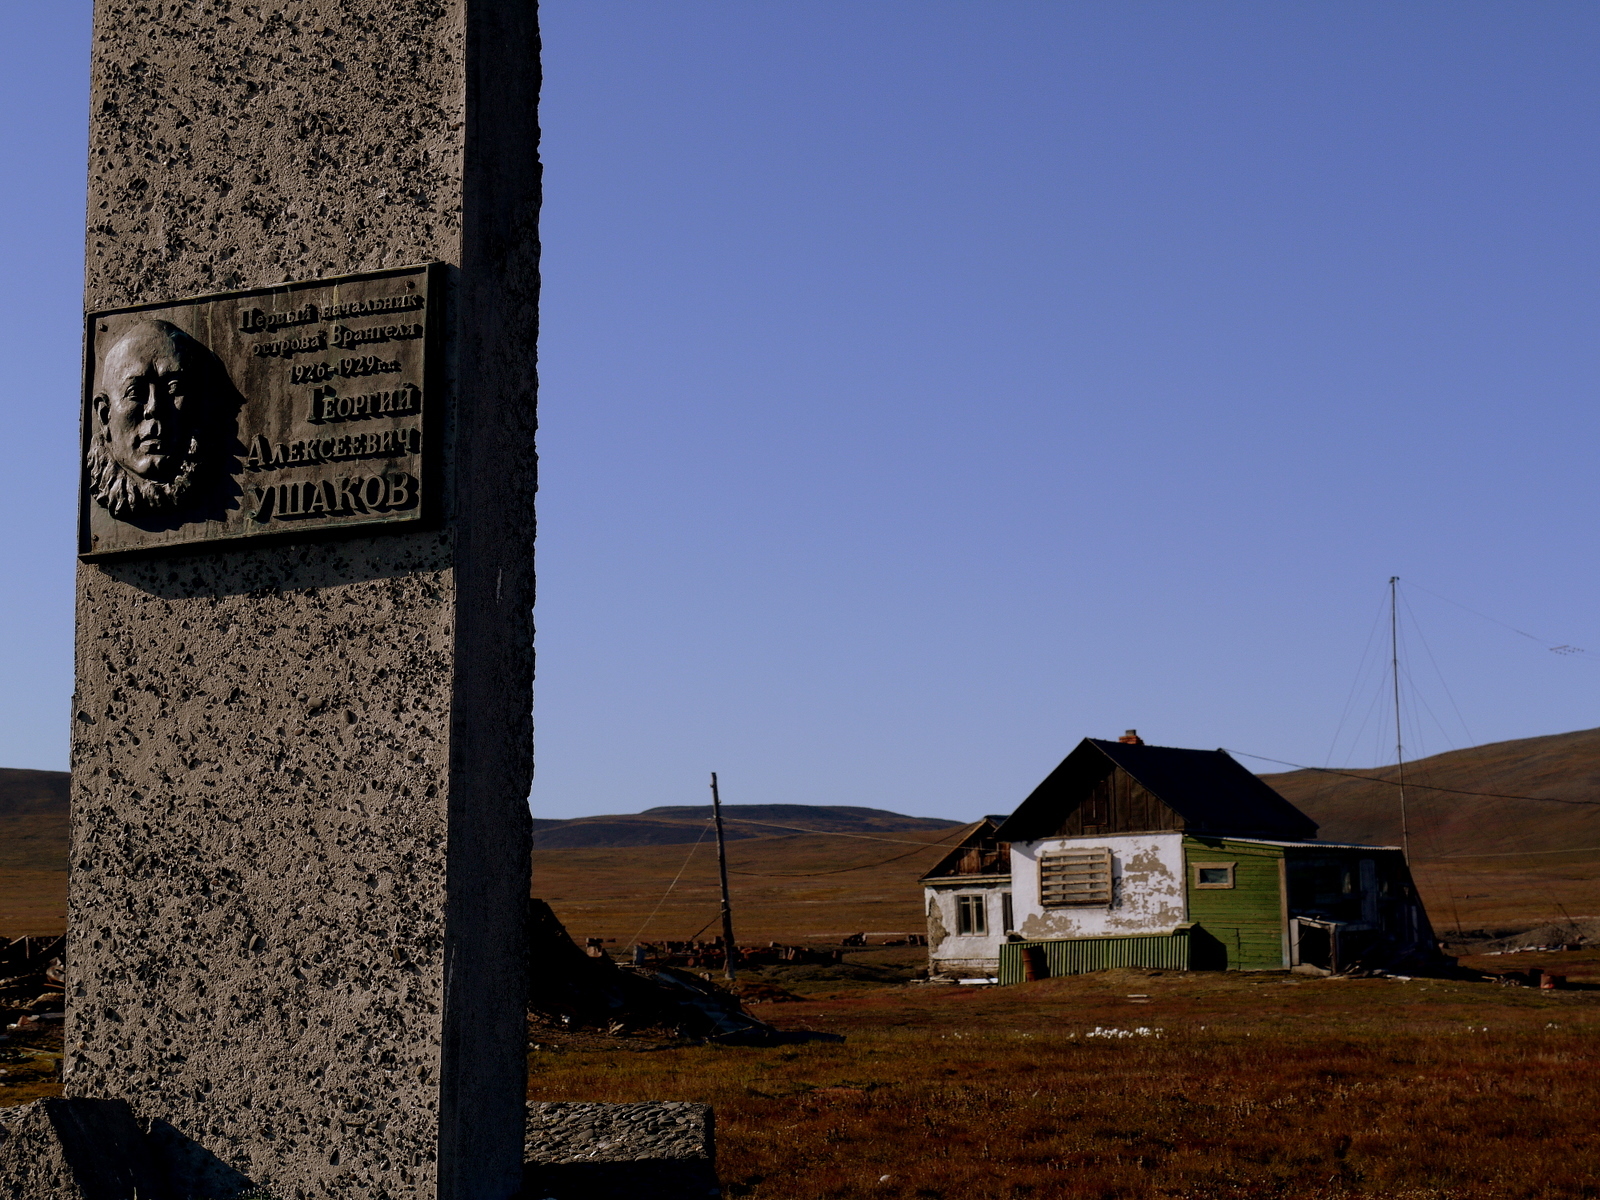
(1255, 1086)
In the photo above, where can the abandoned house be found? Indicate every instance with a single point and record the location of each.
(1136, 855)
(968, 897)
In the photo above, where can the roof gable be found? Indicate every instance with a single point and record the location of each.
(1148, 788)
(978, 852)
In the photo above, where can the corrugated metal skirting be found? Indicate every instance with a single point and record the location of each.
(1075, 956)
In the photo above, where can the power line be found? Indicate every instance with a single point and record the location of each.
(1514, 853)
(866, 837)
(703, 831)
(1545, 642)
(1412, 783)
(842, 870)
(715, 917)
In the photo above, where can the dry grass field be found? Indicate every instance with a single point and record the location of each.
(791, 889)
(33, 853)
(1129, 1084)
(1507, 892)
(786, 889)
(1243, 1086)
(33, 903)
(1238, 1086)
(29, 1066)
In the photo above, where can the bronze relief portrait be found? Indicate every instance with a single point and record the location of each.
(162, 423)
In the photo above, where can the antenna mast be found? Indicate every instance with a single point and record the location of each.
(729, 952)
(1399, 749)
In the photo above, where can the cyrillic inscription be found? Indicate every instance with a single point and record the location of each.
(329, 497)
(385, 444)
(328, 405)
(289, 409)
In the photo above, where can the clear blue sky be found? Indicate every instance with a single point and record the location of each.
(929, 385)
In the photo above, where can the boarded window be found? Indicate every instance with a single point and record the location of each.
(1069, 877)
(1213, 874)
(971, 916)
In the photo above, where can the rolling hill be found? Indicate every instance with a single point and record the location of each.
(1562, 769)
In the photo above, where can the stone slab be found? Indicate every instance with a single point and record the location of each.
(665, 1150)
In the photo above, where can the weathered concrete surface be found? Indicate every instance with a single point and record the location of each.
(299, 850)
(665, 1150)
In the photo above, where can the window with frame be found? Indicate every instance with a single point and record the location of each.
(1008, 920)
(1213, 874)
(1073, 877)
(972, 915)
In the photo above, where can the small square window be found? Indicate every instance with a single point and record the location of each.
(971, 915)
(1213, 875)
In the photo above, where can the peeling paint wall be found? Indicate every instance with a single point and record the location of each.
(951, 953)
(1147, 894)
(937, 930)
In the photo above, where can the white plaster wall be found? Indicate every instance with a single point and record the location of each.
(953, 953)
(1147, 893)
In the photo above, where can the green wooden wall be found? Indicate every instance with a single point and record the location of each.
(1244, 922)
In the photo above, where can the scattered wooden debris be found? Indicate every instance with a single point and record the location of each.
(570, 989)
(32, 980)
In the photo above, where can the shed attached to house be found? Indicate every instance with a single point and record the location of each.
(1129, 854)
(968, 898)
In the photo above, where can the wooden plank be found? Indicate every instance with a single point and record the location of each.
(1248, 917)
(1075, 877)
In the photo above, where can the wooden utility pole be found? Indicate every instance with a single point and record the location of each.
(729, 953)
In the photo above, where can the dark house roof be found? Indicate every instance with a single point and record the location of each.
(1116, 787)
(978, 852)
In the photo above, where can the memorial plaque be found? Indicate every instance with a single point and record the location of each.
(281, 411)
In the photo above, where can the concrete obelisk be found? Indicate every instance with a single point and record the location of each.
(301, 731)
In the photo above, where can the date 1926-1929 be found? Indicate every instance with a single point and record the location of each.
(345, 368)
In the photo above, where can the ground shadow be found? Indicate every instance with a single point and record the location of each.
(191, 1169)
(659, 1179)
(1206, 953)
(105, 1149)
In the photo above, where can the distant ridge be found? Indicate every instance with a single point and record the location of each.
(33, 820)
(842, 817)
(26, 793)
(678, 824)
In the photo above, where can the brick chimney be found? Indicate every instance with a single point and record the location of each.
(1131, 738)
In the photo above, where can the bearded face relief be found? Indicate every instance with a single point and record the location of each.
(154, 405)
